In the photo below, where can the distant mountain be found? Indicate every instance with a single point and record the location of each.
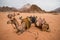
(31, 8)
(57, 10)
(28, 8)
(6, 8)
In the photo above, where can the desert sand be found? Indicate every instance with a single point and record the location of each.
(8, 33)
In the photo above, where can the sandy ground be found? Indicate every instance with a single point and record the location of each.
(8, 33)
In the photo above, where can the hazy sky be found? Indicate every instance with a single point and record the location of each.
(43, 4)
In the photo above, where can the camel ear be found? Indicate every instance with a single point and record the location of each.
(20, 17)
(9, 22)
(36, 16)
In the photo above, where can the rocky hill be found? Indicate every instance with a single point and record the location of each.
(57, 10)
(6, 8)
(31, 8)
(28, 8)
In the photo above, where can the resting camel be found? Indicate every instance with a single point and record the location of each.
(42, 24)
(27, 22)
(13, 21)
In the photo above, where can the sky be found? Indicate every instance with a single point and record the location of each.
(43, 4)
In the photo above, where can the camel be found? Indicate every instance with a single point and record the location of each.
(42, 24)
(13, 21)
